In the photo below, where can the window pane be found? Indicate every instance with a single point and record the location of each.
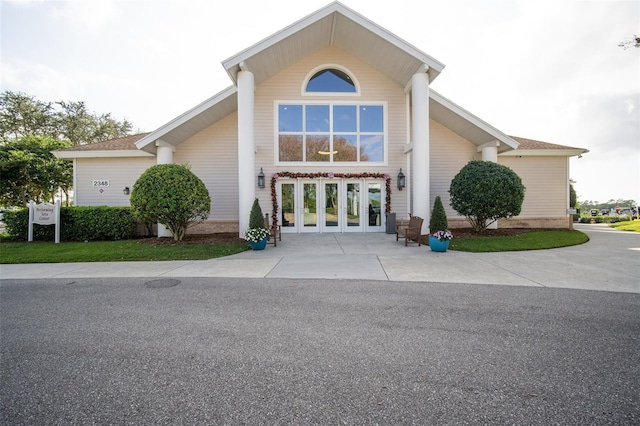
(331, 80)
(318, 148)
(371, 118)
(290, 148)
(344, 118)
(317, 118)
(372, 148)
(345, 148)
(288, 205)
(290, 118)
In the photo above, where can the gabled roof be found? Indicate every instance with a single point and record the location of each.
(193, 121)
(119, 147)
(334, 25)
(466, 124)
(530, 148)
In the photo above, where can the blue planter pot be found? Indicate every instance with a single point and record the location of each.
(260, 245)
(437, 245)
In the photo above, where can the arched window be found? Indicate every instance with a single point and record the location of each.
(331, 80)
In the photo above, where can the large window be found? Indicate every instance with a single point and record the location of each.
(331, 132)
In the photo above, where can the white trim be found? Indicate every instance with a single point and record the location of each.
(231, 64)
(330, 103)
(544, 153)
(102, 154)
(305, 82)
(476, 121)
(147, 141)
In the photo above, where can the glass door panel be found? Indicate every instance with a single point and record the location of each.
(375, 203)
(309, 207)
(332, 222)
(287, 217)
(353, 208)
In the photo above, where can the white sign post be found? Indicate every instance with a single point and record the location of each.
(44, 214)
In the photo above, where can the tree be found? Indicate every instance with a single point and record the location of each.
(172, 195)
(256, 219)
(30, 172)
(573, 198)
(484, 191)
(23, 115)
(438, 220)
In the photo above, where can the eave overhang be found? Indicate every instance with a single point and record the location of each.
(125, 153)
(334, 25)
(467, 125)
(193, 121)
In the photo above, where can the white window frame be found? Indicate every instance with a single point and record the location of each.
(331, 103)
(305, 82)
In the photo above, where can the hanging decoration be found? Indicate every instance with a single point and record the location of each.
(329, 175)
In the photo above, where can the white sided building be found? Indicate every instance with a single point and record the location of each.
(332, 112)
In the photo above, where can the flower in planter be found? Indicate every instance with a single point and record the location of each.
(255, 235)
(443, 235)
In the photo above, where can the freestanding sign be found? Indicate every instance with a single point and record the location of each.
(44, 214)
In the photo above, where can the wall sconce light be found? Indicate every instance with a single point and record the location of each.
(126, 190)
(401, 180)
(261, 179)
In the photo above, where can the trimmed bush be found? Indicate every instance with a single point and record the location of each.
(256, 218)
(76, 224)
(484, 191)
(438, 220)
(172, 195)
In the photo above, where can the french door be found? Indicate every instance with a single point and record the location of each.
(331, 205)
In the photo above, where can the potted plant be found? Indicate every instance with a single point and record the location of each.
(257, 233)
(438, 224)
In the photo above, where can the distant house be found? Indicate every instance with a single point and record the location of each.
(332, 110)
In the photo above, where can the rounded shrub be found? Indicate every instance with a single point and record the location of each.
(484, 191)
(172, 195)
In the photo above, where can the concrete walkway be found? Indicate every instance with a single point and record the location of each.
(610, 261)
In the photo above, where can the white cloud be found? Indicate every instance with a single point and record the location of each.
(91, 15)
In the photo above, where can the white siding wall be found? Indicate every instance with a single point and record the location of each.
(287, 86)
(449, 153)
(213, 157)
(545, 178)
(120, 172)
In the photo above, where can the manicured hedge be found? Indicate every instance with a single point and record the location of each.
(76, 224)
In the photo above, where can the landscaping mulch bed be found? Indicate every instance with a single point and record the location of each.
(218, 238)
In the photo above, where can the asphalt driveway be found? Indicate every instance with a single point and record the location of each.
(298, 351)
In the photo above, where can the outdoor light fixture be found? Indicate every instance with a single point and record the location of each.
(126, 190)
(401, 180)
(261, 179)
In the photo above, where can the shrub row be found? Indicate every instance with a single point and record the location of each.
(76, 224)
(604, 219)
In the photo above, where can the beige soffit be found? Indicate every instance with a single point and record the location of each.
(193, 121)
(466, 124)
(334, 25)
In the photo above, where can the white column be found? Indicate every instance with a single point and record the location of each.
(421, 184)
(246, 148)
(164, 155)
(490, 153)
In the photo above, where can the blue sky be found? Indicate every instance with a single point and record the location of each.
(545, 70)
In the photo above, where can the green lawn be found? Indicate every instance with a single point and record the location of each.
(110, 251)
(537, 240)
(629, 225)
(133, 250)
